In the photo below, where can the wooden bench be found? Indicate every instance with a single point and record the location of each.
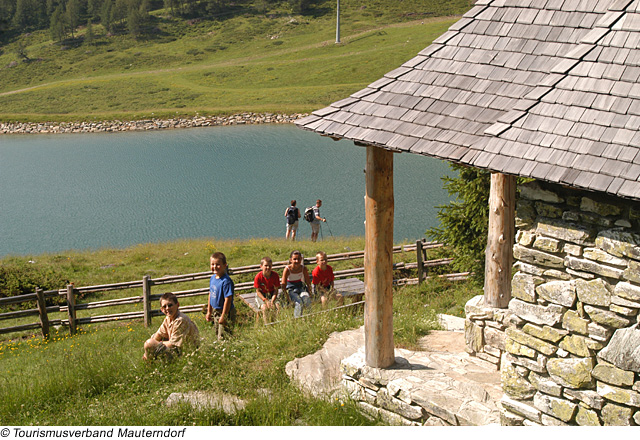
(346, 286)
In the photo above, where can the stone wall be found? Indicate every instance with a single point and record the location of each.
(425, 388)
(144, 125)
(572, 343)
(484, 329)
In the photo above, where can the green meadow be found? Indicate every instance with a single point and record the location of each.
(270, 62)
(98, 377)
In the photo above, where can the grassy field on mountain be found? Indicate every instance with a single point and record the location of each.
(273, 61)
(97, 377)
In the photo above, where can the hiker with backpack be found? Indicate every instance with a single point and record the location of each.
(292, 213)
(312, 215)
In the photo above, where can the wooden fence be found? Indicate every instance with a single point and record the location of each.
(71, 308)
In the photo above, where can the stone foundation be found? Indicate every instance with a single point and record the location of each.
(425, 388)
(484, 329)
(572, 343)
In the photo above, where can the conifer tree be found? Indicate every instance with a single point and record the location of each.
(464, 221)
(88, 36)
(73, 15)
(106, 15)
(58, 25)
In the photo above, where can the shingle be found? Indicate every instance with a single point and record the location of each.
(325, 111)
(630, 189)
(631, 172)
(601, 182)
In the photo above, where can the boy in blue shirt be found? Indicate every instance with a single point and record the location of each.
(220, 309)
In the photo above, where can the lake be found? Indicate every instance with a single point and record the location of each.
(89, 191)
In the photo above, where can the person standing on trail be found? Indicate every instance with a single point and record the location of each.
(292, 213)
(315, 224)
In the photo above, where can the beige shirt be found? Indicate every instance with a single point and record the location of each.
(181, 331)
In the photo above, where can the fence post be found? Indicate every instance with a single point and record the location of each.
(419, 261)
(71, 305)
(146, 300)
(42, 310)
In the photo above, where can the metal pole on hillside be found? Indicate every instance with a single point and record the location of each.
(338, 24)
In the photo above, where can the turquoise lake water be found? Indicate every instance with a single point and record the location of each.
(88, 191)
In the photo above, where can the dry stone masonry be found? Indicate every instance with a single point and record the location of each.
(571, 352)
(149, 124)
(425, 388)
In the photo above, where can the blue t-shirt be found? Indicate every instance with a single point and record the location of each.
(219, 289)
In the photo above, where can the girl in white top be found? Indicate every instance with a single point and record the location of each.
(292, 278)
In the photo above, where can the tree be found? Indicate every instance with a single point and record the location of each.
(93, 8)
(106, 15)
(174, 5)
(58, 25)
(21, 51)
(73, 15)
(88, 36)
(299, 6)
(464, 221)
(21, 17)
(120, 10)
(6, 13)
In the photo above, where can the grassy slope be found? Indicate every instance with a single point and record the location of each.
(272, 63)
(97, 377)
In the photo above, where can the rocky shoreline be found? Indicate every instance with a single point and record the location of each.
(147, 124)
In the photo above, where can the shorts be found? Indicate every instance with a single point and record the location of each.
(259, 302)
(166, 352)
(327, 292)
(315, 227)
(293, 227)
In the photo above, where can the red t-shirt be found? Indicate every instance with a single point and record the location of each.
(322, 277)
(267, 286)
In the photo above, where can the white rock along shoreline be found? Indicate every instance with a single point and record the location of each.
(146, 124)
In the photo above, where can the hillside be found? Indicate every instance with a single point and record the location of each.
(259, 56)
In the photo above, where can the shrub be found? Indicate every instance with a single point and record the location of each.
(20, 278)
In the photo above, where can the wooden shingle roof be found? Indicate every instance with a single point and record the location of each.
(544, 89)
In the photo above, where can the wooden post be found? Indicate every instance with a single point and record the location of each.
(71, 305)
(378, 259)
(146, 300)
(42, 310)
(500, 239)
(419, 261)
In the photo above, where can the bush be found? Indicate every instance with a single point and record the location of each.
(21, 278)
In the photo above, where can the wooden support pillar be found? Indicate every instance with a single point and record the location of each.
(500, 240)
(42, 310)
(71, 306)
(378, 259)
(419, 261)
(146, 300)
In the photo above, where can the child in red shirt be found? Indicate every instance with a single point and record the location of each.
(267, 283)
(323, 278)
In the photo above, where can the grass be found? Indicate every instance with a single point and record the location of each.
(262, 63)
(97, 377)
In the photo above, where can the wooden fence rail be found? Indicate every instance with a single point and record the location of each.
(71, 292)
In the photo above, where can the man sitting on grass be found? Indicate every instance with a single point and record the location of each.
(176, 333)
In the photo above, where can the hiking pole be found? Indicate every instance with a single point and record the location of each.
(329, 229)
